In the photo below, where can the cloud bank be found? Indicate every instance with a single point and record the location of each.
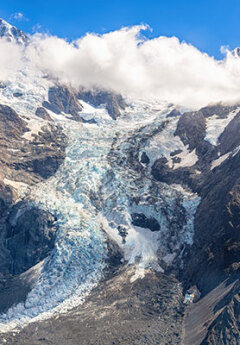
(126, 62)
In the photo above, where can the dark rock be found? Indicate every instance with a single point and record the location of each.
(46, 166)
(216, 240)
(176, 160)
(123, 231)
(29, 162)
(160, 170)
(41, 112)
(230, 138)
(91, 121)
(17, 94)
(191, 129)
(139, 219)
(220, 110)
(63, 99)
(224, 328)
(30, 236)
(112, 101)
(144, 158)
(11, 125)
(174, 113)
(176, 152)
(2, 85)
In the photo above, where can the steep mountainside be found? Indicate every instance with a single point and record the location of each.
(117, 215)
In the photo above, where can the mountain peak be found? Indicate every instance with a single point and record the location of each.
(11, 33)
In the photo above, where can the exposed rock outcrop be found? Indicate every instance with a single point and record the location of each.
(63, 99)
(27, 234)
(113, 102)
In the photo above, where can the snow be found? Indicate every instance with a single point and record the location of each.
(6, 31)
(188, 159)
(100, 115)
(35, 127)
(165, 142)
(15, 184)
(216, 126)
(33, 86)
(219, 160)
(236, 150)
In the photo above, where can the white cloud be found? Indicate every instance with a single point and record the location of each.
(10, 59)
(126, 62)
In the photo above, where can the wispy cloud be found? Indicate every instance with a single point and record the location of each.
(19, 16)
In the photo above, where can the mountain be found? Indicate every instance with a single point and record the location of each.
(119, 217)
(11, 33)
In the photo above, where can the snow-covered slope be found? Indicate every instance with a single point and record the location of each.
(11, 33)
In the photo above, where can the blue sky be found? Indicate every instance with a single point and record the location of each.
(207, 24)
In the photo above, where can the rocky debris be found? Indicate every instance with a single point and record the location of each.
(151, 223)
(113, 102)
(123, 231)
(192, 295)
(146, 311)
(43, 114)
(63, 99)
(199, 316)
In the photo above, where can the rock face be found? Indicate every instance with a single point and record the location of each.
(139, 219)
(63, 99)
(30, 236)
(224, 329)
(41, 112)
(27, 234)
(214, 255)
(114, 103)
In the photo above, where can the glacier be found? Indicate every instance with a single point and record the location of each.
(92, 195)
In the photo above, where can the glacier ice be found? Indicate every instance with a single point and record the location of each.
(99, 185)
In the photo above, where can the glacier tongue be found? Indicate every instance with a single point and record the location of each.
(99, 185)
